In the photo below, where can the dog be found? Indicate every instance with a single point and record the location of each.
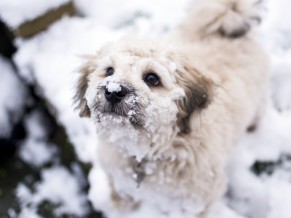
(168, 112)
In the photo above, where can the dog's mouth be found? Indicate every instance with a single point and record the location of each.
(118, 109)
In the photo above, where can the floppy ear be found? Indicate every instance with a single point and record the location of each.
(198, 95)
(82, 85)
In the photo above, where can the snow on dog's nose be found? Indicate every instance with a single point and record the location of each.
(115, 92)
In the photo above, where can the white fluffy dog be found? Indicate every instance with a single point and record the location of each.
(167, 113)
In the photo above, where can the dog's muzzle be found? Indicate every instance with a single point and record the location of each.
(120, 100)
(114, 97)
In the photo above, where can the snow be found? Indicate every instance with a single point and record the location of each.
(277, 26)
(36, 150)
(281, 79)
(137, 13)
(60, 187)
(23, 193)
(221, 210)
(254, 196)
(50, 60)
(16, 12)
(113, 87)
(279, 198)
(11, 102)
(100, 193)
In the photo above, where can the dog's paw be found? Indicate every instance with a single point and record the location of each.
(123, 203)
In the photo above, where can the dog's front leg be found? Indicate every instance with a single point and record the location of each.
(122, 202)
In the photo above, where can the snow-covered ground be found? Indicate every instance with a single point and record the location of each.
(260, 170)
(13, 107)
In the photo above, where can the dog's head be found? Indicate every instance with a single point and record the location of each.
(142, 86)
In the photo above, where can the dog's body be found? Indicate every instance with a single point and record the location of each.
(168, 113)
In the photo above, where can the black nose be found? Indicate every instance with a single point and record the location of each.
(116, 96)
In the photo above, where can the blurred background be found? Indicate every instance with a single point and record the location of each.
(48, 165)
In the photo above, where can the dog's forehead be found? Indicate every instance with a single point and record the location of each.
(144, 57)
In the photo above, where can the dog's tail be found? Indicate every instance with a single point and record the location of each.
(226, 18)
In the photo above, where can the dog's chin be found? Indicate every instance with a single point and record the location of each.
(125, 132)
(126, 113)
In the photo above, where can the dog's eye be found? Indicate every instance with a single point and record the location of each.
(109, 71)
(152, 79)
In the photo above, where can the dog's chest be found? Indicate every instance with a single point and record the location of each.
(149, 182)
(157, 189)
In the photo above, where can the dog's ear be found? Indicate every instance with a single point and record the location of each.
(80, 101)
(198, 95)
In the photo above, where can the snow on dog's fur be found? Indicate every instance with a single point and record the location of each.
(167, 113)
